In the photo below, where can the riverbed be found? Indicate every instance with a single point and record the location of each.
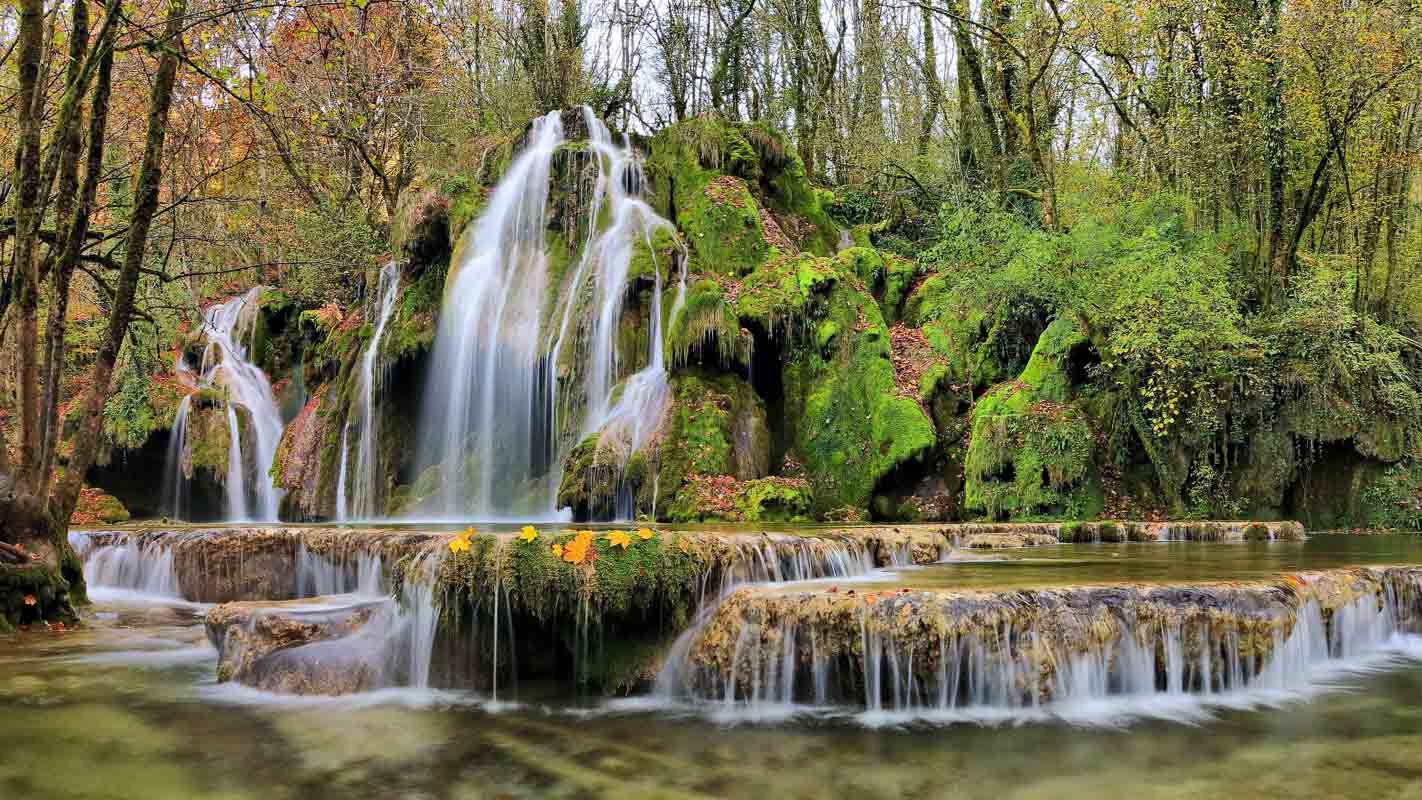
(129, 706)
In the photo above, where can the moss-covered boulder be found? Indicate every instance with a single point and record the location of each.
(714, 424)
(1030, 448)
(739, 194)
(306, 461)
(844, 415)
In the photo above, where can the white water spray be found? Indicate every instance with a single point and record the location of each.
(357, 491)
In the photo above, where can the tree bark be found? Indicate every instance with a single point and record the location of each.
(73, 243)
(31, 48)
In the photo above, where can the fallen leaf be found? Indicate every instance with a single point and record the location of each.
(646, 533)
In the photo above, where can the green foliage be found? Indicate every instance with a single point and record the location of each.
(128, 417)
(1394, 499)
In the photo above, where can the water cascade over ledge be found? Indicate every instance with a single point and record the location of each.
(358, 494)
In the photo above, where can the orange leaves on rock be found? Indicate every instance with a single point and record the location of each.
(619, 539)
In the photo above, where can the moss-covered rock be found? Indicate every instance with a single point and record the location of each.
(844, 415)
(1030, 448)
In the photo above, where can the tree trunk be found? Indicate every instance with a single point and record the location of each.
(86, 438)
(77, 233)
(26, 274)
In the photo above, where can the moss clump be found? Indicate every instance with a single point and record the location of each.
(706, 329)
(846, 419)
(722, 498)
(1110, 532)
(1256, 532)
(1029, 449)
(96, 505)
(1071, 532)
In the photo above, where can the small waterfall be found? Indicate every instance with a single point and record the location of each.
(357, 491)
(630, 422)
(319, 576)
(988, 660)
(176, 468)
(761, 565)
(248, 488)
(128, 568)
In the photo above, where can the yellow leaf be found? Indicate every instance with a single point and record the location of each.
(557, 550)
(459, 544)
(646, 533)
(577, 550)
(528, 534)
(619, 539)
(682, 545)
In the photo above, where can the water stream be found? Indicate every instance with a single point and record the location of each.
(499, 417)
(358, 494)
(253, 420)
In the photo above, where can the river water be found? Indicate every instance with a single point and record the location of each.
(129, 707)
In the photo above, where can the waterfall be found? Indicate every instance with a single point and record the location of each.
(1001, 658)
(248, 488)
(127, 569)
(495, 424)
(175, 466)
(487, 402)
(629, 423)
(357, 495)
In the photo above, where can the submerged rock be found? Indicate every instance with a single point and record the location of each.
(298, 648)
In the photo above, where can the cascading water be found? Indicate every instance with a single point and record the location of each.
(633, 419)
(999, 658)
(357, 492)
(129, 569)
(494, 424)
(486, 422)
(176, 467)
(248, 489)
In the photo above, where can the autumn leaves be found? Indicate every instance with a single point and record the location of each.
(577, 550)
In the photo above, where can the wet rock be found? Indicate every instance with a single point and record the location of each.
(298, 648)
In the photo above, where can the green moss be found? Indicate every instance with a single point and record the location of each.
(775, 500)
(1073, 532)
(717, 426)
(846, 419)
(656, 579)
(706, 329)
(786, 291)
(1029, 449)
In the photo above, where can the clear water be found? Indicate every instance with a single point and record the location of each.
(129, 707)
